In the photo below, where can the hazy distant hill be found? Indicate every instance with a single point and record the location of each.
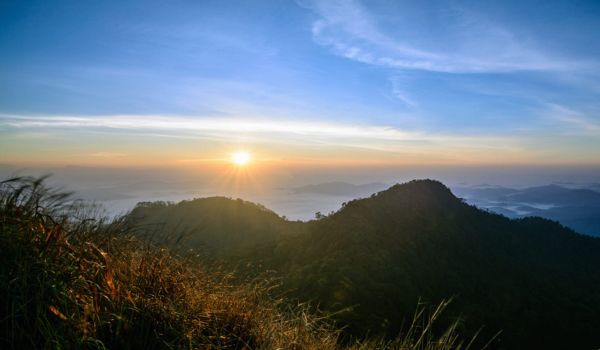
(556, 194)
(532, 278)
(577, 208)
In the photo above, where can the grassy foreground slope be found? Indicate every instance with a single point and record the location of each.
(68, 281)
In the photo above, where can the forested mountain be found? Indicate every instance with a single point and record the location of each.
(213, 227)
(532, 278)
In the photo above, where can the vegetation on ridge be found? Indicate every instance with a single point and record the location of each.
(532, 278)
(69, 281)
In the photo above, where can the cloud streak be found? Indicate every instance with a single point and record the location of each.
(348, 29)
(573, 118)
(378, 137)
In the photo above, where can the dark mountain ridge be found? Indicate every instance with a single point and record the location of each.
(534, 279)
(214, 226)
(417, 240)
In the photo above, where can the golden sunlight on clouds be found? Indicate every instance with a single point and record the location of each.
(206, 144)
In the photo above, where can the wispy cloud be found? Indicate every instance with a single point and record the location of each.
(572, 119)
(374, 137)
(350, 30)
(400, 94)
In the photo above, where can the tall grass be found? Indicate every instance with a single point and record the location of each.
(72, 281)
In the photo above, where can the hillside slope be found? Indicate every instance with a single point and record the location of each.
(532, 278)
(214, 226)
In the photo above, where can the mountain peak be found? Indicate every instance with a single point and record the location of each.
(421, 190)
(423, 184)
(410, 197)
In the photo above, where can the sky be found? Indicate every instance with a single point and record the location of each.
(321, 83)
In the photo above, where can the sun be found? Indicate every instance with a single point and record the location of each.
(241, 158)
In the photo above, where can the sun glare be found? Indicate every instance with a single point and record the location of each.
(241, 158)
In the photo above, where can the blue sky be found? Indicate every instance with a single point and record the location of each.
(391, 81)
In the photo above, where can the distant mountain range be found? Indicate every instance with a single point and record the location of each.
(577, 208)
(534, 279)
